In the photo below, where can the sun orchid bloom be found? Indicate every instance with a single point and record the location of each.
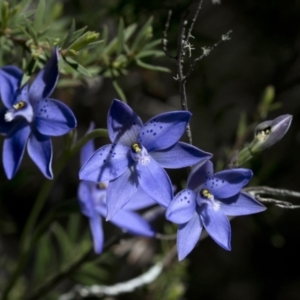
(137, 155)
(206, 203)
(92, 200)
(29, 117)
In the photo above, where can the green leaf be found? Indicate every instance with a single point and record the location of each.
(1, 1)
(31, 31)
(63, 240)
(76, 66)
(69, 35)
(84, 40)
(24, 3)
(78, 33)
(141, 35)
(119, 90)
(151, 67)
(73, 227)
(146, 53)
(120, 44)
(152, 44)
(39, 15)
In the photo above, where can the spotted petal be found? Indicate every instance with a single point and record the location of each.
(164, 130)
(241, 204)
(10, 78)
(199, 174)
(216, 225)
(53, 118)
(182, 207)
(228, 183)
(45, 81)
(107, 163)
(120, 191)
(39, 148)
(123, 124)
(188, 235)
(154, 181)
(179, 155)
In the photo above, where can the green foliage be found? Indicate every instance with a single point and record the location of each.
(31, 34)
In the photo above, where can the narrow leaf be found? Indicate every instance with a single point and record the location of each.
(119, 91)
(120, 45)
(69, 35)
(151, 67)
(39, 15)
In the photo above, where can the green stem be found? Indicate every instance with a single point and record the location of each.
(26, 242)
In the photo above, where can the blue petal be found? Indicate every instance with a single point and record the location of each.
(164, 130)
(10, 78)
(132, 223)
(199, 174)
(85, 198)
(216, 225)
(39, 148)
(123, 124)
(97, 232)
(228, 183)
(88, 149)
(139, 200)
(13, 148)
(5, 126)
(179, 156)
(182, 207)
(120, 191)
(45, 81)
(154, 181)
(53, 118)
(107, 163)
(241, 204)
(188, 235)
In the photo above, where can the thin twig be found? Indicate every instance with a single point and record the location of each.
(207, 51)
(164, 40)
(194, 20)
(265, 190)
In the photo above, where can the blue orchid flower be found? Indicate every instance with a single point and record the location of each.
(207, 201)
(29, 117)
(92, 200)
(138, 154)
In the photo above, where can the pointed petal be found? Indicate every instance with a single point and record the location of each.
(53, 118)
(179, 156)
(182, 207)
(132, 223)
(10, 78)
(164, 130)
(45, 81)
(123, 124)
(97, 232)
(216, 225)
(241, 204)
(228, 183)
(39, 148)
(139, 200)
(120, 191)
(199, 174)
(85, 198)
(188, 235)
(107, 163)
(88, 149)
(155, 181)
(13, 148)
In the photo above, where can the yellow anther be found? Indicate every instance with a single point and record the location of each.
(205, 193)
(136, 147)
(101, 186)
(19, 105)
